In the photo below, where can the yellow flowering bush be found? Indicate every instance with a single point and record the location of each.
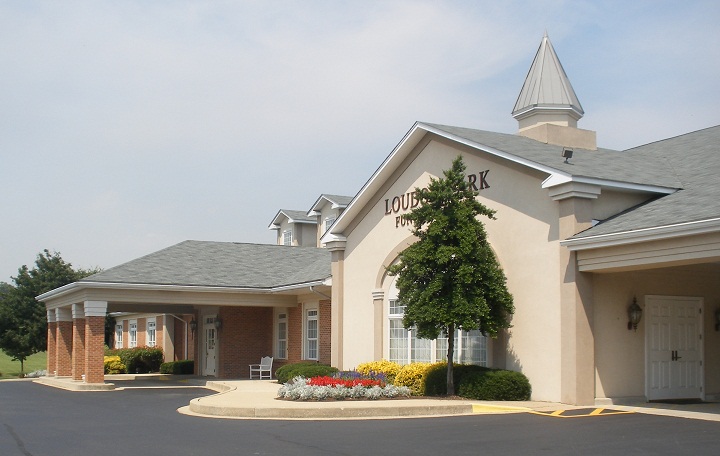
(413, 376)
(113, 365)
(385, 367)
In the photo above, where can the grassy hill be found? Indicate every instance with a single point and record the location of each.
(11, 369)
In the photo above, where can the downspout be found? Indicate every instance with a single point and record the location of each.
(186, 333)
(312, 289)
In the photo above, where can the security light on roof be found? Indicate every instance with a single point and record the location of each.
(567, 154)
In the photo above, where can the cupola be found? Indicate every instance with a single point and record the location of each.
(547, 108)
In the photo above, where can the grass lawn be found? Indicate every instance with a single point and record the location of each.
(11, 369)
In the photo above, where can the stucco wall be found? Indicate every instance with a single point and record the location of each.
(619, 353)
(524, 237)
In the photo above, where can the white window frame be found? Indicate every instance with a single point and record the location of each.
(329, 222)
(408, 351)
(287, 237)
(311, 345)
(119, 335)
(132, 333)
(281, 335)
(151, 332)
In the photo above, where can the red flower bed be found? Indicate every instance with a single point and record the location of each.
(329, 381)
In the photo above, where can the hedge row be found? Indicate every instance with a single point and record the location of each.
(471, 381)
(139, 360)
(185, 367)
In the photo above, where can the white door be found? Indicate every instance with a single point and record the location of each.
(210, 336)
(673, 348)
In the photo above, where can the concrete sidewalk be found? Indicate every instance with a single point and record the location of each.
(257, 399)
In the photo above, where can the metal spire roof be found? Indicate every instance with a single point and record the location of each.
(547, 86)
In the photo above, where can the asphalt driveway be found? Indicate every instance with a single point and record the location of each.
(38, 420)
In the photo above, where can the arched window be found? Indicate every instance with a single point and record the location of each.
(471, 347)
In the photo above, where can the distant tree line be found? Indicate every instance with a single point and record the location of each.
(23, 320)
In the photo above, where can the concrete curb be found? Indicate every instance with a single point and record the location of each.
(69, 384)
(311, 411)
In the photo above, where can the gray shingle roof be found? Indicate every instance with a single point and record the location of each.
(292, 216)
(340, 200)
(695, 159)
(689, 163)
(603, 164)
(223, 264)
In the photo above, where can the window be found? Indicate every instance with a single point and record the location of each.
(328, 222)
(119, 336)
(405, 347)
(151, 323)
(282, 336)
(311, 334)
(133, 333)
(287, 237)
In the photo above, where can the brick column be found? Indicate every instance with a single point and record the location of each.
(95, 312)
(78, 352)
(63, 353)
(51, 343)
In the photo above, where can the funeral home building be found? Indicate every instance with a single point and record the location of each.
(612, 258)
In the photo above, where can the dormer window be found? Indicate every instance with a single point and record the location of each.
(287, 237)
(328, 223)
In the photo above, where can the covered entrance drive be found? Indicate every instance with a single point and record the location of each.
(235, 292)
(675, 351)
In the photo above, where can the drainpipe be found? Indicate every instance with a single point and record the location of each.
(186, 333)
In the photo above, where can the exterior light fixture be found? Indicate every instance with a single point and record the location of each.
(634, 315)
(717, 319)
(193, 326)
(567, 154)
(218, 323)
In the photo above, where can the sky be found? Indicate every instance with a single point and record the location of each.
(127, 127)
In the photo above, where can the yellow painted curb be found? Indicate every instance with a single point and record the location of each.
(487, 408)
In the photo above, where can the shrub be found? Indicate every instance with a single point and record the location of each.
(308, 370)
(495, 385)
(185, 367)
(388, 368)
(436, 377)
(299, 388)
(140, 360)
(413, 376)
(113, 365)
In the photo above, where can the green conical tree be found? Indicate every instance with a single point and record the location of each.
(449, 278)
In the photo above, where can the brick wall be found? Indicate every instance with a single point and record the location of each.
(159, 332)
(295, 322)
(52, 348)
(324, 329)
(179, 327)
(64, 348)
(141, 332)
(126, 333)
(245, 337)
(78, 357)
(94, 349)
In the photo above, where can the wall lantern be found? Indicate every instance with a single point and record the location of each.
(634, 315)
(218, 323)
(193, 326)
(717, 319)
